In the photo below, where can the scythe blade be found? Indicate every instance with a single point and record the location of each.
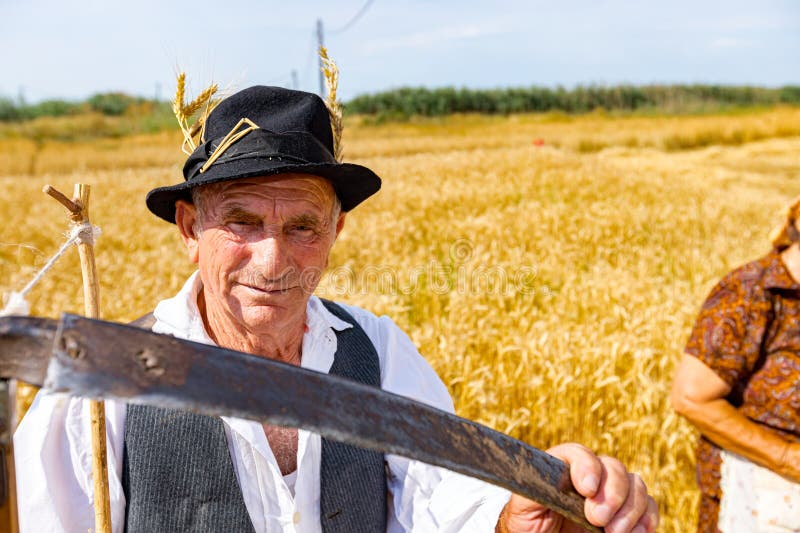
(106, 360)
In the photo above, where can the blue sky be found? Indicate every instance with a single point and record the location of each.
(74, 48)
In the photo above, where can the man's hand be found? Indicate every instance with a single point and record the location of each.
(615, 499)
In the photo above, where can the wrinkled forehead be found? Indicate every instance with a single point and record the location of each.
(301, 188)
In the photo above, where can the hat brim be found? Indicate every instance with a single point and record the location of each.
(352, 183)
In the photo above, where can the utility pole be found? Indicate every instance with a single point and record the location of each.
(320, 43)
(295, 83)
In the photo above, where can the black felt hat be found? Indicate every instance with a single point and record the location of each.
(293, 135)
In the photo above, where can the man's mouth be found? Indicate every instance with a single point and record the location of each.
(276, 289)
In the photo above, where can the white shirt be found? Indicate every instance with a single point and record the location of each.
(53, 445)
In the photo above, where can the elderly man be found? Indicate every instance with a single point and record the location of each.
(262, 204)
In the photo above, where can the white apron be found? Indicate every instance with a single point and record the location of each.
(756, 499)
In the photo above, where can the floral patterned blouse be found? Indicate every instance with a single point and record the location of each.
(748, 332)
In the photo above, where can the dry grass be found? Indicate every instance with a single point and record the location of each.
(588, 133)
(551, 287)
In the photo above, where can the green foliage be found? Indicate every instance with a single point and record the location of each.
(8, 110)
(408, 101)
(107, 115)
(153, 116)
(790, 94)
(11, 111)
(113, 104)
(109, 104)
(140, 115)
(52, 108)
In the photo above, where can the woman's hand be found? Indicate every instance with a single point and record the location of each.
(790, 463)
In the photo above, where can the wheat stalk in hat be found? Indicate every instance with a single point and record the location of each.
(331, 73)
(204, 103)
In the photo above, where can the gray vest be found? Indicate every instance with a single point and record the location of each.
(177, 472)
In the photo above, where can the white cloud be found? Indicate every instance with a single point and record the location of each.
(730, 42)
(768, 22)
(426, 39)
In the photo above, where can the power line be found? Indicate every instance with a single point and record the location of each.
(320, 42)
(352, 20)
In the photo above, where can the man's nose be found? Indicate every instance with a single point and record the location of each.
(273, 256)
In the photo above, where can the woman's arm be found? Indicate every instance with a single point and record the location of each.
(698, 394)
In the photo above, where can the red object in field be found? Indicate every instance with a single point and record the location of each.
(538, 142)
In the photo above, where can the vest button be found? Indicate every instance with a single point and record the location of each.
(296, 517)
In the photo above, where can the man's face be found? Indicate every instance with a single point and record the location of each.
(261, 245)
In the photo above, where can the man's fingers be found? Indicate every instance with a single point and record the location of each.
(633, 509)
(650, 519)
(612, 494)
(585, 469)
(615, 499)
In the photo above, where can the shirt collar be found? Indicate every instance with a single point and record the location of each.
(776, 275)
(179, 315)
(318, 316)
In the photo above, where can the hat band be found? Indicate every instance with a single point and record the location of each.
(294, 147)
(234, 135)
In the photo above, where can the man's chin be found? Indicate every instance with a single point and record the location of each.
(266, 317)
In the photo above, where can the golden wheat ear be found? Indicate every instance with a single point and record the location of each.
(331, 73)
(200, 106)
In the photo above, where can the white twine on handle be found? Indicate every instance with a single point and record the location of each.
(16, 304)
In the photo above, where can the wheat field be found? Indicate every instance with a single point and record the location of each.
(549, 267)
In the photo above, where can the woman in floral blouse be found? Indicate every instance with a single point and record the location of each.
(738, 382)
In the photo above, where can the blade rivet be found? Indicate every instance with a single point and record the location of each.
(71, 347)
(149, 362)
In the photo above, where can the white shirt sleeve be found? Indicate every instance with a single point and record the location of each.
(53, 460)
(423, 497)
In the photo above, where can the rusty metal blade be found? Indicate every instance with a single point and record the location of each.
(100, 359)
(26, 345)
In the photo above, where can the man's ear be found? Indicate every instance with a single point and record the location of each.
(186, 220)
(340, 222)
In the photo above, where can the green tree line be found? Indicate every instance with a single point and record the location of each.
(110, 104)
(409, 101)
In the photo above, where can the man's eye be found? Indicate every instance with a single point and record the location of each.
(241, 222)
(303, 230)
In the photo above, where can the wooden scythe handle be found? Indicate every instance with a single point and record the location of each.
(79, 214)
(91, 304)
